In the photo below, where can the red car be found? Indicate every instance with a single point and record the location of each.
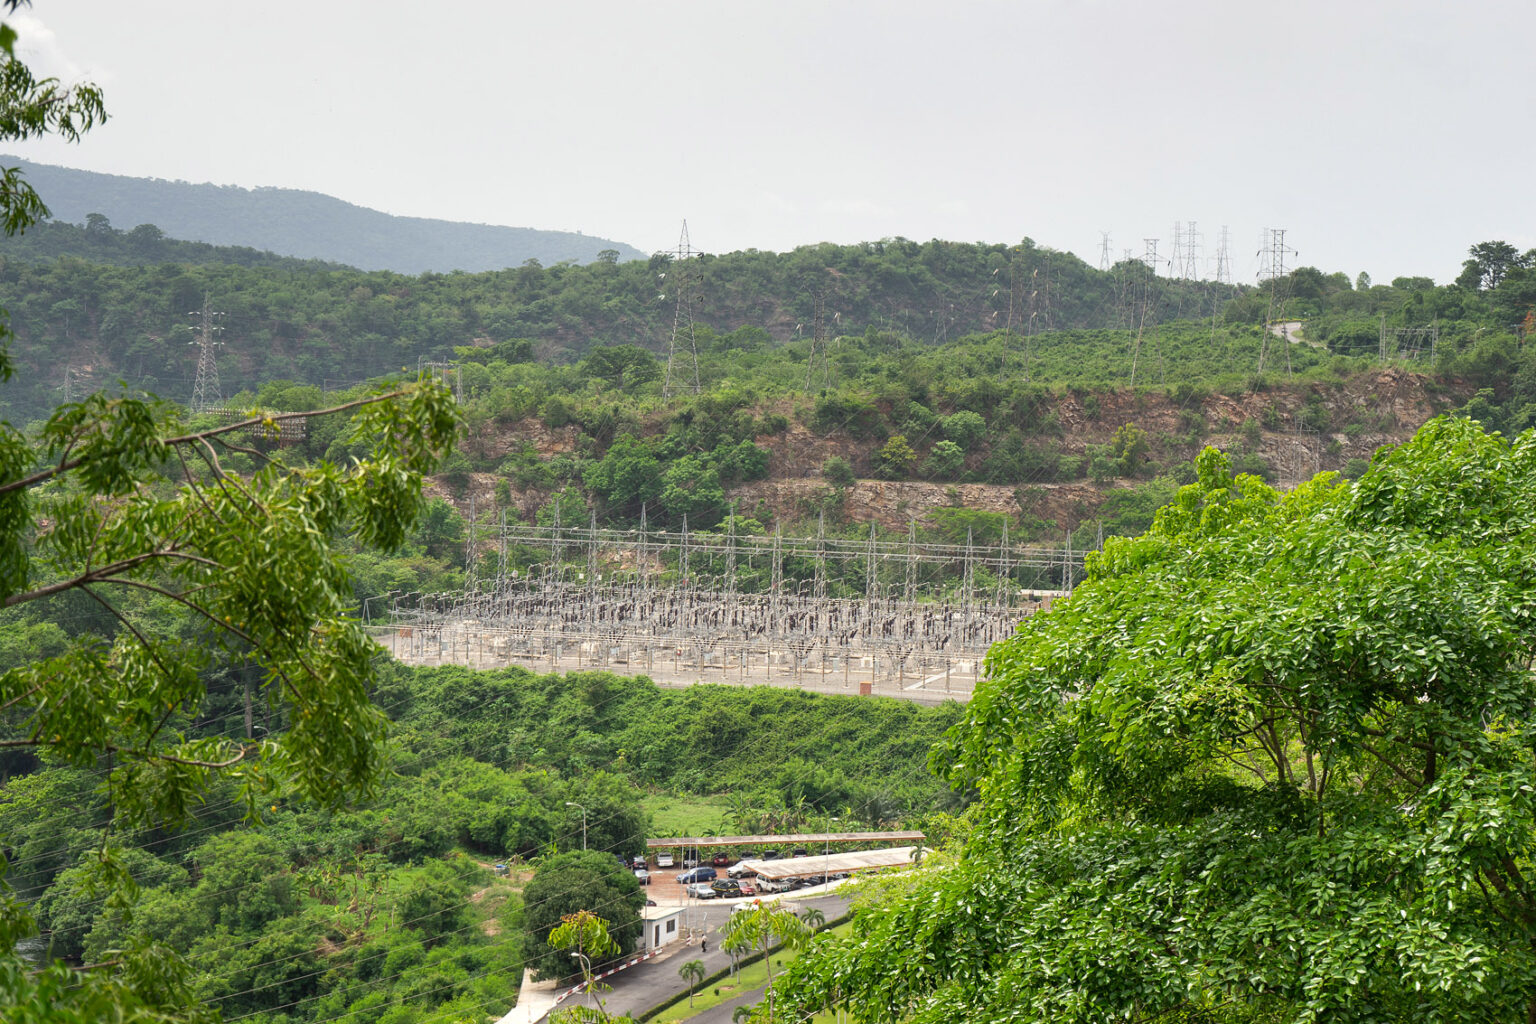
(720, 860)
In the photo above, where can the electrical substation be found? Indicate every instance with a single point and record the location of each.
(833, 614)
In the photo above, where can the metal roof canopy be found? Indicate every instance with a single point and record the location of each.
(832, 864)
(802, 839)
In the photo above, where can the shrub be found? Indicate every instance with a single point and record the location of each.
(944, 461)
(895, 458)
(838, 471)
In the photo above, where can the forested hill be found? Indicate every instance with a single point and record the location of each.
(307, 225)
(71, 307)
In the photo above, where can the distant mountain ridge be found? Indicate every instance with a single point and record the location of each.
(307, 225)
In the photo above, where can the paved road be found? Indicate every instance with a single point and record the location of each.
(646, 985)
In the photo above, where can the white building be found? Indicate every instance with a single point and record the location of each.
(662, 926)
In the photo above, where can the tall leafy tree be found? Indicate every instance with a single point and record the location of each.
(574, 883)
(1272, 762)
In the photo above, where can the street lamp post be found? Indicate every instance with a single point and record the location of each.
(586, 966)
(583, 824)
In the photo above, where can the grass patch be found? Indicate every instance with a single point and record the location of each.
(685, 815)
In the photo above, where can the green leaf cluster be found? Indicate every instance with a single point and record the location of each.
(1273, 761)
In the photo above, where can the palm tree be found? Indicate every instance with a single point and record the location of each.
(813, 918)
(735, 944)
(741, 1015)
(692, 972)
(765, 926)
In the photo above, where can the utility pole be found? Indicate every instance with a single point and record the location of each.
(682, 275)
(205, 389)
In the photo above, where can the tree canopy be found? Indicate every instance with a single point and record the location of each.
(591, 885)
(1273, 761)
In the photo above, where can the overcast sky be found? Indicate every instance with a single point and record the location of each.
(1383, 136)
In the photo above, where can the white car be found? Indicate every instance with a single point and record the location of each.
(664, 860)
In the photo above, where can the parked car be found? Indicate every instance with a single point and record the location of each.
(770, 885)
(691, 859)
(726, 887)
(800, 851)
(720, 860)
(664, 860)
(740, 870)
(643, 876)
(702, 891)
(748, 889)
(637, 863)
(697, 875)
(770, 855)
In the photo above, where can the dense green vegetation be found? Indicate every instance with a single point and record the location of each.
(389, 905)
(325, 324)
(570, 353)
(1271, 762)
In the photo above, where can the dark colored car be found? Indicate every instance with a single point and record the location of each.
(800, 851)
(770, 855)
(726, 887)
(698, 875)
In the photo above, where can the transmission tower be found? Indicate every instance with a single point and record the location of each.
(1272, 270)
(819, 344)
(1015, 303)
(1105, 261)
(682, 324)
(1176, 261)
(449, 373)
(1123, 285)
(1045, 293)
(1224, 258)
(1143, 305)
(205, 389)
(1191, 268)
(72, 379)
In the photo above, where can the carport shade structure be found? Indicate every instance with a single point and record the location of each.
(833, 864)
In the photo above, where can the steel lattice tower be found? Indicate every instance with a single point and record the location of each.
(682, 323)
(205, 389)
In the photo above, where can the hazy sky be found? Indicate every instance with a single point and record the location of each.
(1383, 136)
